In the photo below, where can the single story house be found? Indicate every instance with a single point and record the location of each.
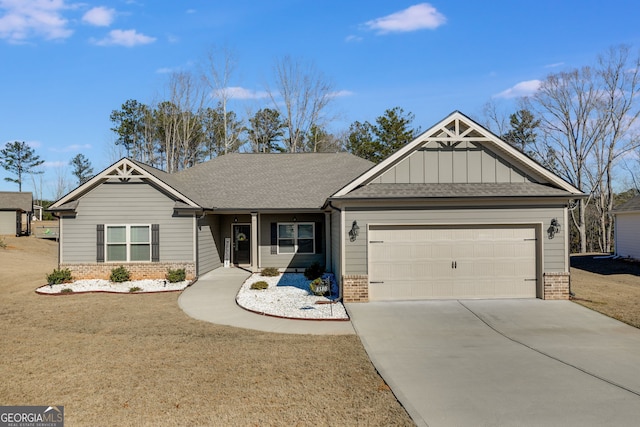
(16, 210)
(627, 229)
(456, 213)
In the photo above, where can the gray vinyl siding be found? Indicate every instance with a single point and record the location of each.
(628, 235)
(291, 261)
(209, 246)
(126, 203)
(336, 253)
(467, 162)
(553, 249)
(8, 222)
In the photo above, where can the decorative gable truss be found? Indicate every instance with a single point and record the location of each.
(125, 171)
(458, 150)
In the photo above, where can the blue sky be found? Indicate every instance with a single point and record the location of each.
(67, 64)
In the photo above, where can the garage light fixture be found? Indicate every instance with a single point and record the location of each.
(554, 228)
(355, 230)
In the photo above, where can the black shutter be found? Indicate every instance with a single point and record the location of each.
(100, 243)
(155, 242)
(319, 237)
(274, 238)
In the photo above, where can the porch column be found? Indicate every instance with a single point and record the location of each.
(327, 241)
(254, 242)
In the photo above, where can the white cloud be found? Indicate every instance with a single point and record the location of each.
(237, 92)
(72, 147)
(340, 93)
(54, 164)
(127, 38)
(99, 16)
(352, 39)
(418, 17)
(554, 65)
(25, 19)
(525, 88)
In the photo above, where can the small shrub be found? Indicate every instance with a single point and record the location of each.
(135, 289)
(119, 274)
(317, 287)
(66, 291)
(177, 275)
(314, 271)
(3, 244)
(270, 272)
(260, 285)
(59, 276)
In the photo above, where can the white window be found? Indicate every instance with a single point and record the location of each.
(128, 243)
(296, 238)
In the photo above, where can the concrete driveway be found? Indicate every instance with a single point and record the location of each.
(504, 362)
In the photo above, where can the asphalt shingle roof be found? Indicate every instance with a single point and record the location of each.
(629, 206)
(443, 190)
(14, 200)
(268, 181)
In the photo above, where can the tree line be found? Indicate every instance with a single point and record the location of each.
(581, 124)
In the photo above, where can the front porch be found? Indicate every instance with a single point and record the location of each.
(288, 241)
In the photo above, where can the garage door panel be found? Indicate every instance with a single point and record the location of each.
(466, 262)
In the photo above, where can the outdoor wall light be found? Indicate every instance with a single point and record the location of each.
(355, 230)
(554, 228)
(294, 218)
(235, 219)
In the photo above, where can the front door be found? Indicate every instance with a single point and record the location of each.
(241, 244)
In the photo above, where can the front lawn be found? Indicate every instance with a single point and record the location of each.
(138, 360)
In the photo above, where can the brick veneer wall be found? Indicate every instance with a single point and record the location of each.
(355, 288)
(146, 270)
(556, 286)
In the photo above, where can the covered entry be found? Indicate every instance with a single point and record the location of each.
(431, 262)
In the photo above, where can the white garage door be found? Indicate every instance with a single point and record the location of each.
(425, 262)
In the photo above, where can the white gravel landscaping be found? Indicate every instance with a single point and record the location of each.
(100, 285)
(288, 296)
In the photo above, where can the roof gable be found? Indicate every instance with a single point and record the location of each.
(457, 150)
(126, 170)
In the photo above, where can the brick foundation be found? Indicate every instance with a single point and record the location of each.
(139, 271)
(556, 285)
(355, 288)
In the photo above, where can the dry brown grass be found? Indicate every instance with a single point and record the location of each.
(139, 360)
(609, 286)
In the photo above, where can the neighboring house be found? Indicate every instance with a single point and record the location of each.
(456, 213)
(16, 210)
(627, 229)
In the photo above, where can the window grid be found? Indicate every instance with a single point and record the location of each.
(127, 242)
(296, 237)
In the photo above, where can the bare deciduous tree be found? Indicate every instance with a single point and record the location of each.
(178, 121)
(587, 117)
(301, 96)
(219, 68)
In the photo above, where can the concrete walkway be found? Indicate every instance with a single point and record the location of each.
(504, 362)
(213, 299)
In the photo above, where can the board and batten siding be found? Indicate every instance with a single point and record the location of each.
(628, 234)
(126, 203)
(466, 162)
(209, 247)
(554, 259)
